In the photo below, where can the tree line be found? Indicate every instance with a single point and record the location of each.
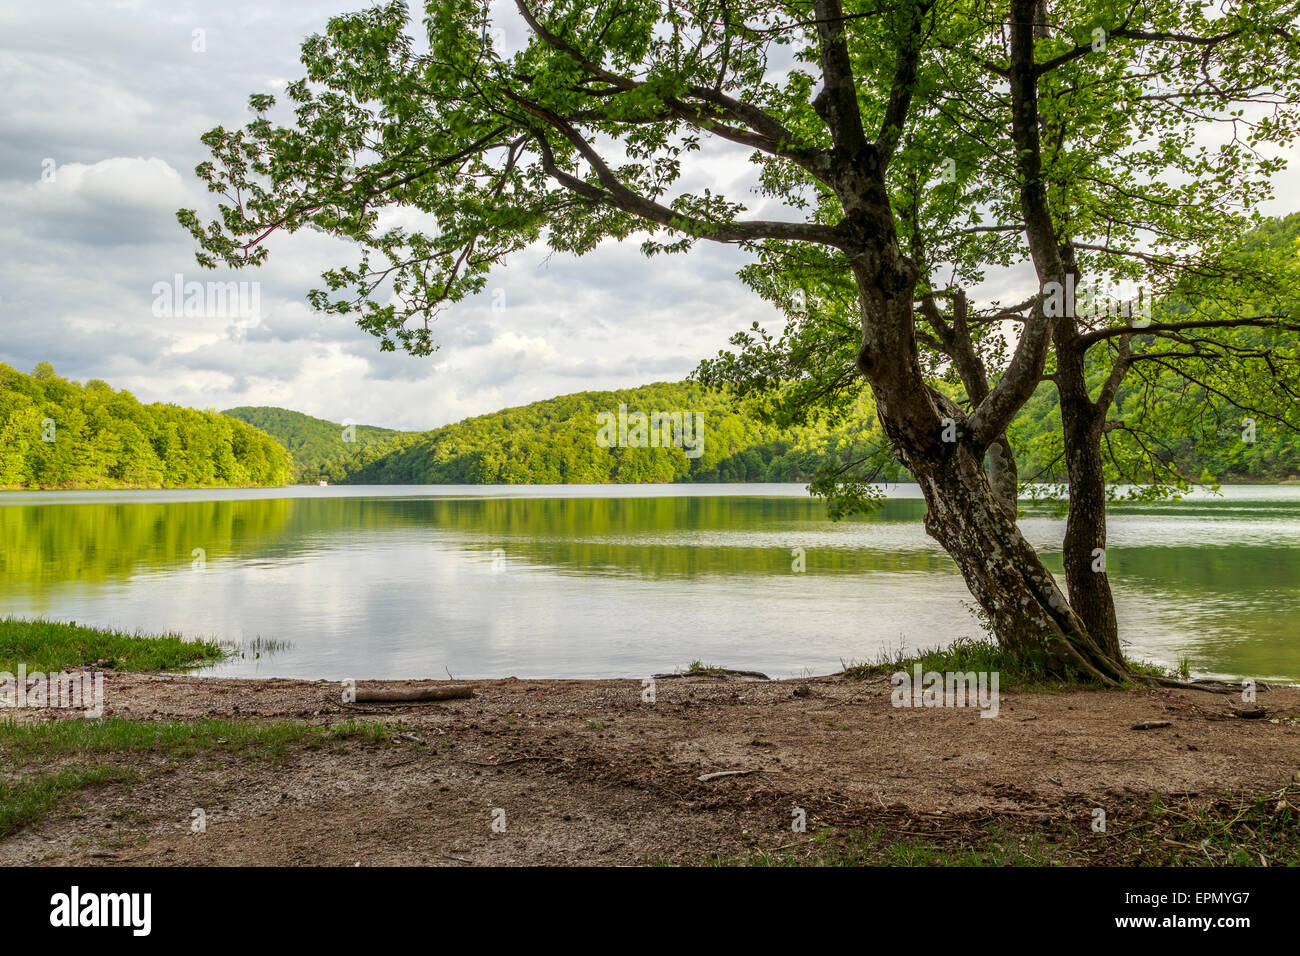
(323, 450)
(554, 442)
(57, 433)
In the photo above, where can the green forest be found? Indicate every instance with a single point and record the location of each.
(56, 433)
(323, 450)
(101, 438)
(1186, 430)
(554, 442)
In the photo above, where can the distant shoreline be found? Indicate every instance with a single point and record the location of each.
(1241, 483)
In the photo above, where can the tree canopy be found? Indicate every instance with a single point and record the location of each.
(55, 433)
(322, 450)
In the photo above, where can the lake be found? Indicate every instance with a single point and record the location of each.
(613, 581)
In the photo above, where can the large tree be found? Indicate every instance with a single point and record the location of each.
(910, 146)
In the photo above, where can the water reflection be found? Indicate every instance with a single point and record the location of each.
(600, 581)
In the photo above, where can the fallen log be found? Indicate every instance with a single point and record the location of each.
(714, 672)
(398, 694)
(1209, 686)
(1250, 713)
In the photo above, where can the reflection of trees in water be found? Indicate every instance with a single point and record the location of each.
(1198, 571)
(92, 542)
(1231, 603)
(1230, 608)
(652, 537)
(655, 537)
(54, 543)
(674, 536)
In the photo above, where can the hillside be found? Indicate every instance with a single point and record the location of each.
(56, 433)
(103, 438)
(557, 441)
(1170, 427)
(322, 450)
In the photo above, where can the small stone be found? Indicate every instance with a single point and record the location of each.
(803, 690)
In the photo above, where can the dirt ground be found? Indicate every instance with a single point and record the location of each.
(588, 773)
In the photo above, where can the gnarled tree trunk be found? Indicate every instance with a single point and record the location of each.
(1027, 611)
(1029, 615)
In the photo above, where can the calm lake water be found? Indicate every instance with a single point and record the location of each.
(613, 581)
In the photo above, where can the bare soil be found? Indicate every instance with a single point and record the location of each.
(588, 773)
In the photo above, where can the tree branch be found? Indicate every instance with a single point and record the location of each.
(991, 417)
(612, 192)
(1260, 321)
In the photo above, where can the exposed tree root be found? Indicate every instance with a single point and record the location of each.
(1209, 686)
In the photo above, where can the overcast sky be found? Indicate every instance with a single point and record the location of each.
(111, 98)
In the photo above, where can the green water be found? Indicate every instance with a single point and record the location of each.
(587, 581)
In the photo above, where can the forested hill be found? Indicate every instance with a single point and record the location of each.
(558, 441)
(56, 433)
(323, 450)
(552, 441)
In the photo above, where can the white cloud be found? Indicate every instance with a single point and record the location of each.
(121, 200)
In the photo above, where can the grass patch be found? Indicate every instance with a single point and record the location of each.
(51, 646)
(1149, 669)
(967, 654)
(29, 801)
(1248, 830)
(964, 654)
(878, 848)
(372, 730)
(34, 743)
(1231, 830)
(699, 667)
(83, 753)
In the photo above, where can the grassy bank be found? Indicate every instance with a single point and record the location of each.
(51, 646)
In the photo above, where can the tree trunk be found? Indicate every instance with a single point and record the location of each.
(1028, 613)
(943, 448)
(1030, 617)
(960, 348)
(1004, 477)
(1084, 547)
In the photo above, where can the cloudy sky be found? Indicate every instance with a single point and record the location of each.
(99, 125)
(111, 98)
